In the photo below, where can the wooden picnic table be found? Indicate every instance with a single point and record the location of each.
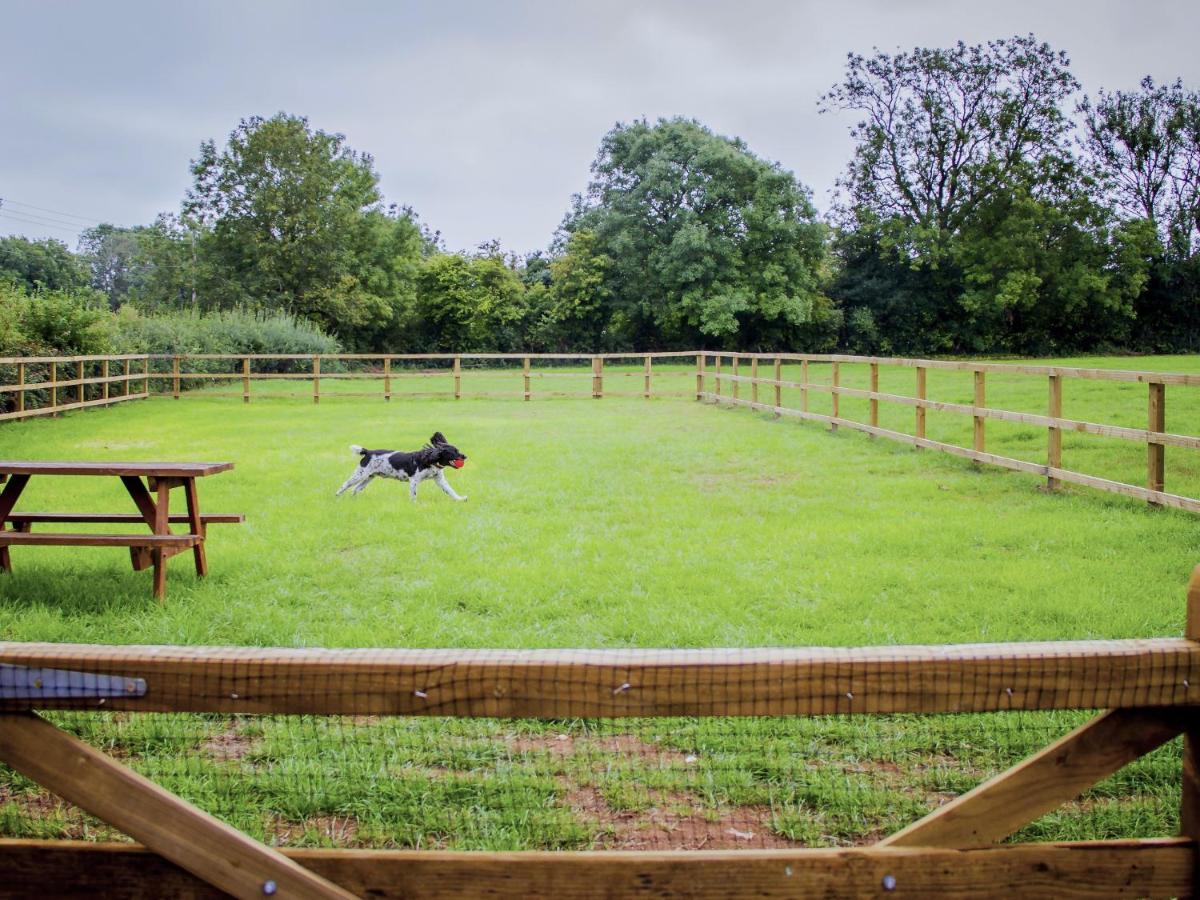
(151, 497)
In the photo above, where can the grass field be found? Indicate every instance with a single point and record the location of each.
(612, 523)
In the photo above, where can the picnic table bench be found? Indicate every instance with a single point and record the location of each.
(151, 497)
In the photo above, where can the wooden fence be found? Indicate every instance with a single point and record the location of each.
(726, 381)
(113, 379)
(1149, 687)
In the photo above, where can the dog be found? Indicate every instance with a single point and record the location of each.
(415, 467)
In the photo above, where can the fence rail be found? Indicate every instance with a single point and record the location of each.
(38, 386)
(953, 850)
(726, 384)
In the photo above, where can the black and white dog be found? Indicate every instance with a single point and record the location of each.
(415, 467)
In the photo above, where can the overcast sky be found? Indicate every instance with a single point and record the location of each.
(482, 116)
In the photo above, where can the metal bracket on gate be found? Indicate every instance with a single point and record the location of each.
(25, 683)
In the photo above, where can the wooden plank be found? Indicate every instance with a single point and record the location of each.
(717, 376)
(648, 376)
(80, 396)
(104, 377)
(699, 375)
(116, 518)
(123, 469)
(175, 377)
(45, 411)
(1189, 807)
(1053, 434)
(525, 368)
(1156, 410)
(622, 683)
(53, 385)
(246, 379)
(20, 387)
(457, 377)
(1044, 781)
(1144, 868)
(192, 839)
(58, 539)
(387, 378)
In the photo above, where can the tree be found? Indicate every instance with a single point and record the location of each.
(945, 131)
(575, 309)
(469, 304)
(286, 215)
(114, 256)
(1144, 149)
(46, 264)
(704, 239)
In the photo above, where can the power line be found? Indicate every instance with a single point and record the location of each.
(56, 212)
(4, 214)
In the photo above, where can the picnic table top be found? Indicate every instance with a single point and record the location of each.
(139, 469)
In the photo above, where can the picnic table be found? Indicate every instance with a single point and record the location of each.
(152, 498)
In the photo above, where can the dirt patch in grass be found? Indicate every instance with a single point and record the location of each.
(338, 831)
(230, 745)
(672, 822)
(622, 746)
(70, 822)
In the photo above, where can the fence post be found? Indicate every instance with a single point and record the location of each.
(736, 384)
(921, 373)
(1054, 435)
(804, 385)
(1156, 462)
(387, 378)
(104, 375)
(175, 377)
(146, 375)
(53, 385)
(457, 377)
(717, 378)
(597, 377)
(980, 403)
(316, 379)
(80, 395)
(754, 380)
(525, 368)
(778, 386)
(125, 377)
(836, 395)
(21, 387)
(874, 400)
(1189, 810)
(700, 376)
(646, 392)
(246, 380)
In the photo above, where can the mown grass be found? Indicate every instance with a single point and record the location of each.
(621, 522)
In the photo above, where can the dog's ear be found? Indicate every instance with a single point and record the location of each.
(438, 438)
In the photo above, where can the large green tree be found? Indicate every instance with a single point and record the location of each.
(706, 243)
(290, 219)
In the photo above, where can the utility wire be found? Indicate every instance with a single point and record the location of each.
(13, 217)
(56, 212)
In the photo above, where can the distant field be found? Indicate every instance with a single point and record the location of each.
(611, 523)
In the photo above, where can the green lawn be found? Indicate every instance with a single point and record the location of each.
(620, 522)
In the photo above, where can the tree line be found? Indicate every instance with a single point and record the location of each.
(985, 209)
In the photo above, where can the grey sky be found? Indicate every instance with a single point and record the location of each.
(482, 116)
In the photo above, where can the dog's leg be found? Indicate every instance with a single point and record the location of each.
(362, 484)
(355, 477)
(440, 478)
(417, 478)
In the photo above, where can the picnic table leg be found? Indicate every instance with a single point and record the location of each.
(140, 556)
(8, 499)
(196, 525)
(161, 526)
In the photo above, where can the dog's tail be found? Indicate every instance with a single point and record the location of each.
(357, 449)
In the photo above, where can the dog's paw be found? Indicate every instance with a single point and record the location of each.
(461, 499)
